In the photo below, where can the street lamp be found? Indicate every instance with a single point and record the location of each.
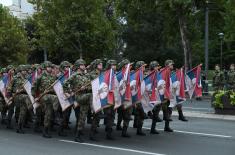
(221, 36)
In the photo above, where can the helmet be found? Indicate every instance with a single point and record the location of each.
(79, 62)
(36, 66)
(3, 70)
(139, 64)
(95, 62)
(21, 68)
(10, 67)
(123, 63)
(64, 64)
(169, 62)
(110, 63)
(46, 64)
(153, 64)
(28, 67)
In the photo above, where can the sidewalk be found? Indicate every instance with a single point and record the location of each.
(208, 115)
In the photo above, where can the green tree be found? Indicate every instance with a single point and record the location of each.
(13, 39)
(72, 29)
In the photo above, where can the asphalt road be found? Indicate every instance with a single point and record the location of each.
(198, 136)
(199, 106)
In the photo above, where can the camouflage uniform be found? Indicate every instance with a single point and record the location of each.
(155, 112)
(167, 111)
(96, 116)
(21, 98)
(47, 101)
(3, 107)
(218, 80)
(109, 111)
(231, 79)
(124, 113)
(83, 97)
(139, 111)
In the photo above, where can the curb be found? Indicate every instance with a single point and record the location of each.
(205, 115)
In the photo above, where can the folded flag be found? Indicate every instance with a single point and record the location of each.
(177, 88)
(135, 82)
(103, 90)
(193, 82)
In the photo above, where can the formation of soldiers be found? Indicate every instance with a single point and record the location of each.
(48, 111)
(224, 80)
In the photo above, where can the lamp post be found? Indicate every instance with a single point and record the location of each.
(221, 36)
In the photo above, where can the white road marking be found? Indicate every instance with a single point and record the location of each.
(196, 133)
(113, 148)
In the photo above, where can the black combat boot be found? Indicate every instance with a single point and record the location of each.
(78, 137)
(135, 122)
(46, 133)
(61, 131)
(37, 128)
(109, 134)
(124, 132)
(118, 127)
(20, 129)
(153, 128)
(167, 127)
(139, 131)
(181, 116)
(9, 126)
(92, 135)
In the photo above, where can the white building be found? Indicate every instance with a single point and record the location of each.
(21, 9)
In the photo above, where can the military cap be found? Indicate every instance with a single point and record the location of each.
(123, 63)
(64, 64)
(78, 63)
(153, 64)
(46, 64)
(138, 64)
(110, 63)
(169, 62)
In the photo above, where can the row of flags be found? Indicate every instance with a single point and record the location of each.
(126, 88)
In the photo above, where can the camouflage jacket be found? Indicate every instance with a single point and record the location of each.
(16, 84)
(231, 77)
(43, 83)
(76, 81)
(218, 78)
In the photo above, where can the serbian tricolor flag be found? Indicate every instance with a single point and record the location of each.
(124, 88)
(135, 82)
(163, 83)
(177, 87)
(58, 88)
(103, 89)
(28, 86)
(149, 97)
(3, 87)
(193, 82)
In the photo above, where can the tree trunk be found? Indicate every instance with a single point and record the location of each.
(185, 41)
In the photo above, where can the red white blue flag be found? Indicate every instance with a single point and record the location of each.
(136, 79)
(193, 82)
(177, 88)
(103, 90)
(163, 84)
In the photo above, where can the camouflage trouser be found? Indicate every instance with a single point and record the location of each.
(1, 103)
(156, 111)
(48, 101)
(84, 102)
(120, 115)
(139, 115)
(95, 121)
(22, 102)
(167, 111)
(126, 114)
(110, 116)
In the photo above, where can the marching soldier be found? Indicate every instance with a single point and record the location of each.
(97, 67)
(154, 66)
(139, 111)
(109, 111)
(231, 78)
(44, 86)
(19, 96)
(167, 111)
(71, 87)
(2, 100)
(124, 113)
